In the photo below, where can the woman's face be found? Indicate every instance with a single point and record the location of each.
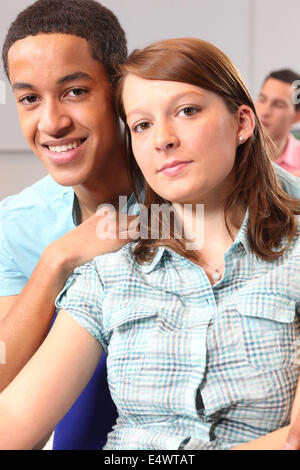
(184, 139)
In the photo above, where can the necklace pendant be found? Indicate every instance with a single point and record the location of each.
(216, 276)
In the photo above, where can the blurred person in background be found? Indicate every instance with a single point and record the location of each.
(278, 110)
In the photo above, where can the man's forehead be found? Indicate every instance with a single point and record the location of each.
(277, 89)
(61, 56)
(53, 46)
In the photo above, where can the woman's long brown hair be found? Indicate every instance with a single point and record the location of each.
(271, 211)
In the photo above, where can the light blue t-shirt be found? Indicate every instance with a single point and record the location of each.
(29, 221)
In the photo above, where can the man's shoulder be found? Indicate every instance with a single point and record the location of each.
(289, 183)
(42, 195)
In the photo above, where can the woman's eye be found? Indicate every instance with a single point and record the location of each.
(188, 111)
(142, 126)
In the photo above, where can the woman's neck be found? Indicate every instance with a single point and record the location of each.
(208, 235)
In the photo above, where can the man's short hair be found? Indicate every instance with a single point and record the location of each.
(286, 76)
(87, 19)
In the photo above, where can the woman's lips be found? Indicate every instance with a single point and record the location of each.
(66, 156)
(174, 168)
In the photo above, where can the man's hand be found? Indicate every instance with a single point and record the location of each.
(104, 232)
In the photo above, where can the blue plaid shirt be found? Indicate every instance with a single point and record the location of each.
(191, 365)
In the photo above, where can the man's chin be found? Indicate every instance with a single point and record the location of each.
(66, 179)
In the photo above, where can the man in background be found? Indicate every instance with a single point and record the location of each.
(278, 112)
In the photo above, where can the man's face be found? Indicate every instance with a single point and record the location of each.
(65, 107)
(275, 108)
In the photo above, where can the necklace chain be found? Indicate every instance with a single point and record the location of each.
(216, 276)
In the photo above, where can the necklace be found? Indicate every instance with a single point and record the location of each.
(216, 275)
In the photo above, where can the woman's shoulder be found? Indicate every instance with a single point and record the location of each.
(118, 261)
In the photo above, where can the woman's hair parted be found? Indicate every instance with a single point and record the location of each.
(271, 211)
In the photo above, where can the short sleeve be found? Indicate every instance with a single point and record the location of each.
(82, 298)
(12, 279)
(289, 183)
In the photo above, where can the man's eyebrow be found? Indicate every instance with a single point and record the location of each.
(67, 78)
(21, 85)
(74, 76)
(280, 101)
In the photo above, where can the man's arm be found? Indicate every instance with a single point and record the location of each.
(25, 319)
(5, 305)
(45, 389)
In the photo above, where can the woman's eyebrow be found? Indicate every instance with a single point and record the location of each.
(175, 98)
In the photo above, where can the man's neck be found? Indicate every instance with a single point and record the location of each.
(281, 145)
(89, 200)
(106, 188)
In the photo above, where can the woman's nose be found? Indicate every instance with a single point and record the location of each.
(166, 139)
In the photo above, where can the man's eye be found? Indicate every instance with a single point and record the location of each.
(75, 92)
(188, 111)
(142, 126)
(261, 99)
(30, 99)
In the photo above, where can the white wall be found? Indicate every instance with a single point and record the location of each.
(275, 37)
(258, 35)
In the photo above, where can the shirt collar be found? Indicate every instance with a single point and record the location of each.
(160, 252)
(242, 235)
(240, 240)
(291, 153)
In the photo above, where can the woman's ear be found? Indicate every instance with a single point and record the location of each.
(245, 123)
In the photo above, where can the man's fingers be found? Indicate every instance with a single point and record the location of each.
(114, 226)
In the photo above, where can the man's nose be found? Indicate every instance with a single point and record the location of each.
(54, 121)
(263, 109)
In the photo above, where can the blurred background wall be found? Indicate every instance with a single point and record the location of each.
(258, 35)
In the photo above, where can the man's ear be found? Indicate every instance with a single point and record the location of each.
(297, 116)
(245, 123)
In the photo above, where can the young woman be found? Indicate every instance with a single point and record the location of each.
(201, 337)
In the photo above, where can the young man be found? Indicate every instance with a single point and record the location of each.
(60, 57)
(278, 112)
